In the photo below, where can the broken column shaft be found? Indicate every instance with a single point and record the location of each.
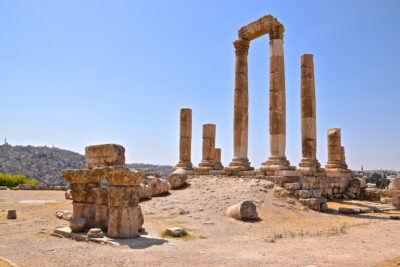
(185, 140)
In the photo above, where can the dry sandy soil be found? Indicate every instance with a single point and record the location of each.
(286, 235)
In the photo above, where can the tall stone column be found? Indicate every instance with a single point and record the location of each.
(277, 104)
(208, 157)
(335, 153)
(240, 161)
(309, 160)
(185, 140)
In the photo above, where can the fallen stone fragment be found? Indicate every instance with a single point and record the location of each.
(12, 214)
(77, 225)
(157, 186)
(245, 210)
(64, 214)
(95, 233)
(178, 178)
(68, 194)
(176, 232)
(144, 192)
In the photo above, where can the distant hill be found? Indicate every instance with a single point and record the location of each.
(45, 163)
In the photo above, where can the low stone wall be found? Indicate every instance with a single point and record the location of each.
(42, 187)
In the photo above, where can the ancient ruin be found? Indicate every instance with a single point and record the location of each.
(185, 140)
(309, 183)
(114, 209)
(208, 157)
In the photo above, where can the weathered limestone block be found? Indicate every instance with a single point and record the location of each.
(177, 178)
(78, 225)
(101, 217)
(259, 27)
(123, 176)
(12, 214)
(218, 163)
(83, 176)
(144, 192)
(101, 195)
(101, 208)
(208, 159)
(95, 233)
(185, 140)
(245, 210)
(335, 155)
(123, 196)
(124, 222)
(175, 231)
(85, 210)
(104, 155)
(83, 192)
(157, 186)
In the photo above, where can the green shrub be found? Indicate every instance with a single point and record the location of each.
(15, 180)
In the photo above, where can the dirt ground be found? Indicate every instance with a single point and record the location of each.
(285, 235)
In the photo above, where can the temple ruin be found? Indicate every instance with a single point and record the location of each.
(308, 182)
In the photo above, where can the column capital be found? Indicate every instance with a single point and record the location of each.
(276, 32)
(241, 47)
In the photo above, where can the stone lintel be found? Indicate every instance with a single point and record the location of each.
(264, 25)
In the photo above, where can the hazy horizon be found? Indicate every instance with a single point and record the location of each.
(77, 73)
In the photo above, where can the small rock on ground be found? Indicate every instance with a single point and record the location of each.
(175, 232)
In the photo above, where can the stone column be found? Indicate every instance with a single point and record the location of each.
(344, 158)
(309, 160)
(82, 183)
(185, 140)
(277, 104)
(101, 207)
(334, 149)
(240, 161)
(208, 157)
(218, 163)
(125, 217)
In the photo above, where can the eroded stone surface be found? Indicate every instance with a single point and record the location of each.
(104, 155)
(178, 178)
(124, 222)
(244, 210)
(77, 225)
(123, 196)
(123, 176)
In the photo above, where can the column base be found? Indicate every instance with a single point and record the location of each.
(238, 165)
(219, 166)
(335, 164)
(275, 163)
(186, 165)
(307, 165)
(203, 170)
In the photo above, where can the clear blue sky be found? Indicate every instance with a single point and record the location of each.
(75, 73)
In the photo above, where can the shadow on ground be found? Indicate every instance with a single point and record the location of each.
(141, 242)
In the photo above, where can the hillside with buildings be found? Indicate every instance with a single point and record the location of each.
(45, 163)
